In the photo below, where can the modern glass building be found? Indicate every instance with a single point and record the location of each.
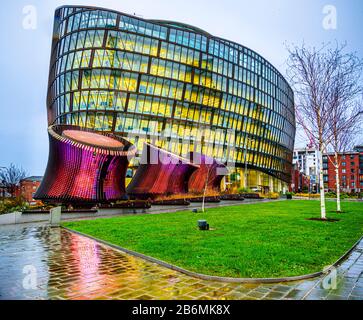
(173, 85)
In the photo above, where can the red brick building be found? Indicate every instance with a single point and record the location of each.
(350, 171)
(300, 182)
(28, 187)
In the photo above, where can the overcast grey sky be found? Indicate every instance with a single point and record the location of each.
(262, 25)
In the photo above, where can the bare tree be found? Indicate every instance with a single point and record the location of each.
(346, 116)
(314, 74)
(11, 177)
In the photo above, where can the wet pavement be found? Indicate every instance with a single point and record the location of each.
(39, 262)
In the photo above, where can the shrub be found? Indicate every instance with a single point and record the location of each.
(344, 195)
(38, 205)
(12, 205)
(331, 195)
(272, 195)
(244, 190)
(354, 195)
(307, 195)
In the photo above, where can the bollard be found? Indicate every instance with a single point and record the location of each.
(203, 225)
(55, 216)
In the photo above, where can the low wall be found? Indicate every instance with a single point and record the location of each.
(10, 218)
(18, 217)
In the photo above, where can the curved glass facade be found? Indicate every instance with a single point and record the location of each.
(139, 78)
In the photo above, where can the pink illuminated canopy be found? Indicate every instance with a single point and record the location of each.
(93, 139)
(92, 170)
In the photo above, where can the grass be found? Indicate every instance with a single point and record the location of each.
(257, 240)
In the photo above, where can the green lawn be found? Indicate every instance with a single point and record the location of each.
(256, 240)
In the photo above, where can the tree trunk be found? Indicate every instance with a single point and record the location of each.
(322, 189)
(337, 179)
(203, 202)
(205, 191)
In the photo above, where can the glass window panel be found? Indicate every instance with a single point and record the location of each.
(84, 20)
(93, 17)
(70, 24)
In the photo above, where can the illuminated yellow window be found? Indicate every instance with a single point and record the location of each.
(132, 104)
(163, 52)
(128, 45)
(217, 101)
(208, 117)
(147, 107)
(154, 69)
(162, 108)
(166, 70)
(196, 115)
(154, 47)
(158, 89)
(76, 100)
(187, 94)
(129, 124)
(184, 114)
(119, 122)
(144, 64)
(221, 121)
(92, 103)
(86, 79)
(181, 131)
(190, 59)
(77, 59)
(196, 79)
(176, 92)
(75, 77)
(90, 121)
(138, 44)
(195, 96)
(215, 119)
(155, 107)
(86, 58)
(145, 126)
(108, 122)
(178, 112)
(168, 110)
(115, 80)
(207, 82)
(205, 100)
(82, 119)
(128, 82)
(84, 100)
(98, 57)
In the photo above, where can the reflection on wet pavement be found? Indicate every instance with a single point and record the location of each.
(39, 262)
